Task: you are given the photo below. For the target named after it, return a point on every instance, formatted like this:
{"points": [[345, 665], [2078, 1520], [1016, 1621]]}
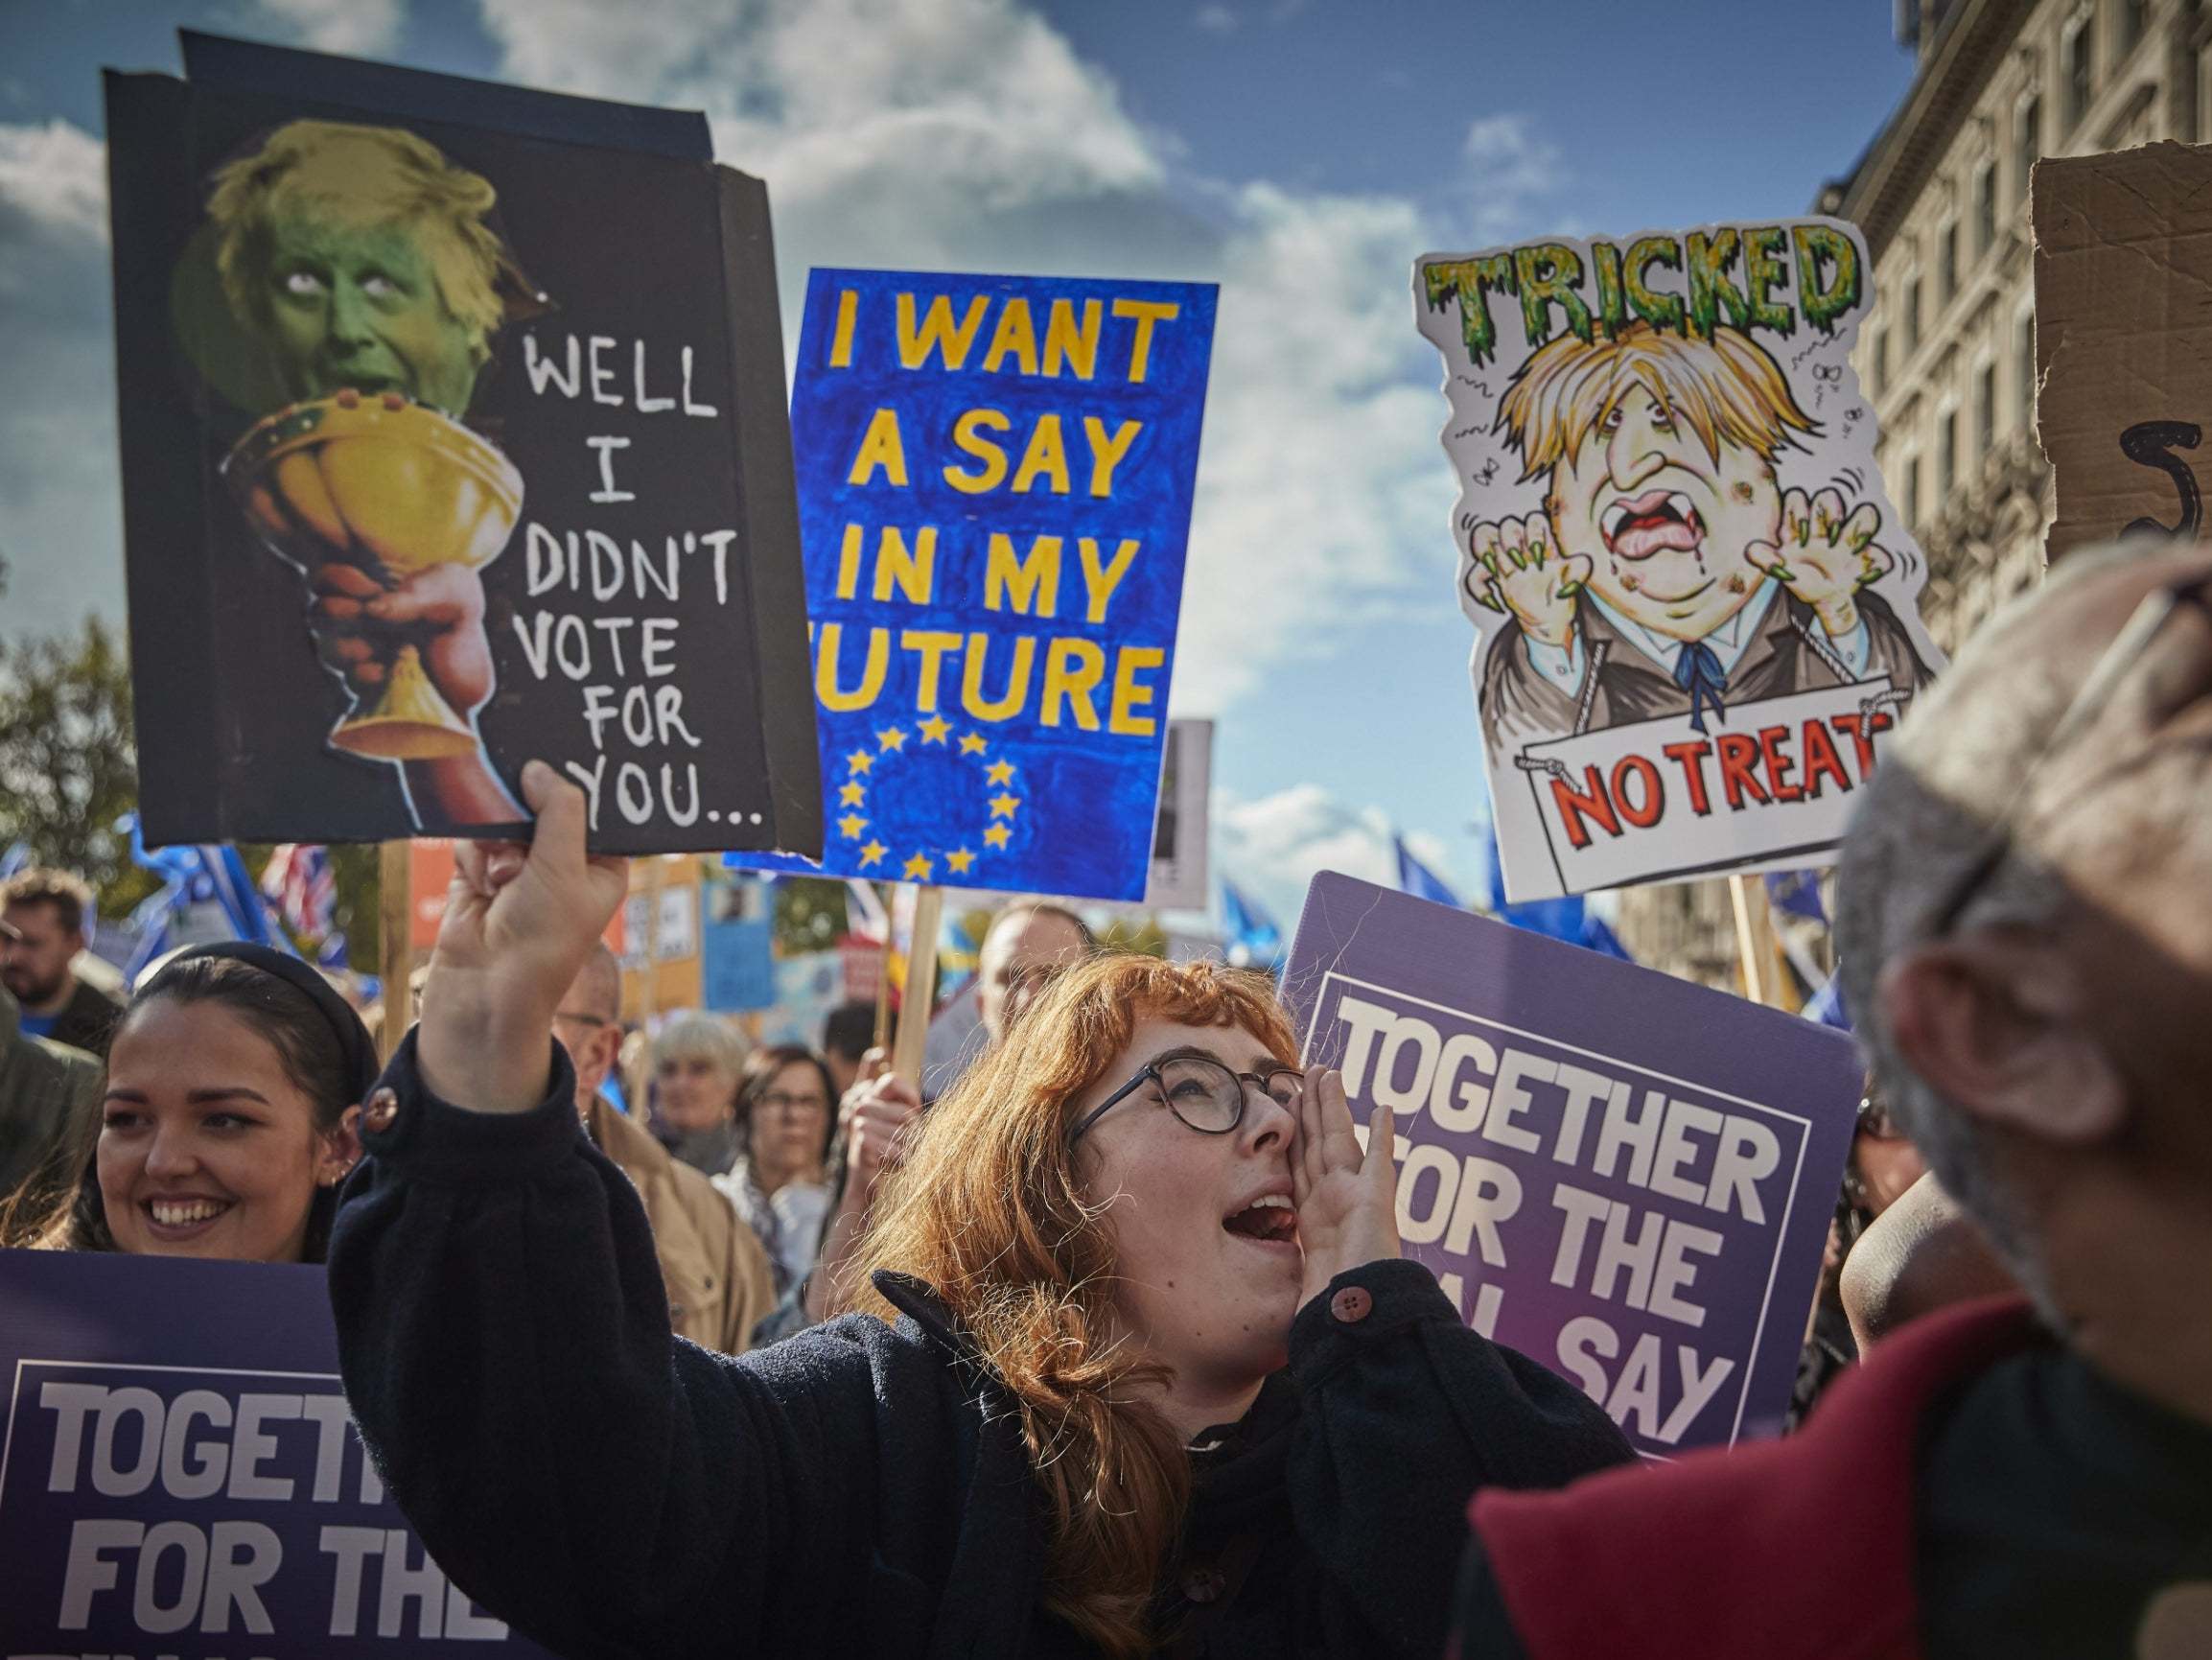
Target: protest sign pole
{"points": [[921, 989], [1747, 940], [395, 940]]}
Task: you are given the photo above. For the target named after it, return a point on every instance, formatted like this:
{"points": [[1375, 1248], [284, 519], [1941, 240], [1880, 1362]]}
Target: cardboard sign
{"points": [[421, 484], [1180, 831], [2123, 340], [1623, 1175], [180, 1474], [995, 479], [1669, 520]]}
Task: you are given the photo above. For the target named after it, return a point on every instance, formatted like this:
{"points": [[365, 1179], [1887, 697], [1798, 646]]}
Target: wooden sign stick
{"points": [[1747, 939], [919, 994], [395, 943]]}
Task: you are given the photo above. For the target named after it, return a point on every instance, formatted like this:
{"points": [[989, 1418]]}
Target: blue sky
{"points": [[1301, 152]]}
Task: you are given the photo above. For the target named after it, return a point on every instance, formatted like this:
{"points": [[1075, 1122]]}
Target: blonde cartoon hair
{"points": [[1724, 387], [361, 176]]}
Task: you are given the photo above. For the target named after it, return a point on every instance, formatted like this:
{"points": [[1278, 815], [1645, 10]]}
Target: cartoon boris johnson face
{"points": [[360, 256], [1666, 536]]}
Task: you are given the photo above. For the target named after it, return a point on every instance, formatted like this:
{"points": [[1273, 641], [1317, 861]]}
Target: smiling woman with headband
{"points": [[1138, 1369], [234, 1086]]}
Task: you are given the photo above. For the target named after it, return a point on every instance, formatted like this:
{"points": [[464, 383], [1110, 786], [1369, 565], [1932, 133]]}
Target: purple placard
{"points": [[1623, 1175], [179, 1475]]}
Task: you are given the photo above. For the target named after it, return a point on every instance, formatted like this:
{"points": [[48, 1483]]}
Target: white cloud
{"points": [[1216, 19], [968, 134], [54, 175], [1273, 845], [1319, 494], [60, 508], [357, 28], [1510, 171]]}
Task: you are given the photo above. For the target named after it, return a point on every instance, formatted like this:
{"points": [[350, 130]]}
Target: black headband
{"points": [[353, 1037]]}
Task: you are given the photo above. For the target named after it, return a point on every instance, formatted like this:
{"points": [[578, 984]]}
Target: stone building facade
{"points": [[1948, 357]]}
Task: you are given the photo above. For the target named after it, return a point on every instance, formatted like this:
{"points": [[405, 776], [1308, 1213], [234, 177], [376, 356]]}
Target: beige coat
{"points": [[719, 1282]]}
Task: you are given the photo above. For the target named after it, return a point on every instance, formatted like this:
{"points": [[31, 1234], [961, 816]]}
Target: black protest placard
{"points": [[453, 435]]}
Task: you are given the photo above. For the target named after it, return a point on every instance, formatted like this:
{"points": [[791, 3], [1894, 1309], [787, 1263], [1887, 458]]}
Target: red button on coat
{"points": [[1351, 1304]]}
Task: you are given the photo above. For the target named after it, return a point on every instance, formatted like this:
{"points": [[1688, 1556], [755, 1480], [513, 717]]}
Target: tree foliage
{"points": [[68, 770]]}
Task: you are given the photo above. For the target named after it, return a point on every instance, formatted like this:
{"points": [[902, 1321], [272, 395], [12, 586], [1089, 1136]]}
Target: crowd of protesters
{"points": [[1110, 1349]]}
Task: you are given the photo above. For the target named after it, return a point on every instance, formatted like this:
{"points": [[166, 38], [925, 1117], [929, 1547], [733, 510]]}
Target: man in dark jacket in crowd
{"points": [[2027, 922], [49, 913], [43, 1087]]}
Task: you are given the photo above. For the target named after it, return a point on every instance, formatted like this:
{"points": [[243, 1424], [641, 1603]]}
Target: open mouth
{"points": [[184, 1218], [1271, 1219], [1639, 527]]}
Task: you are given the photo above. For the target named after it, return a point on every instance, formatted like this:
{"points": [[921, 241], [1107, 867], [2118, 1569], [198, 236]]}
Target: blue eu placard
{"points": [[995, 479]]}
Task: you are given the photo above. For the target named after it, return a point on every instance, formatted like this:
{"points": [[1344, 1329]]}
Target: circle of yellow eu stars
{"points": [[920, 864]]}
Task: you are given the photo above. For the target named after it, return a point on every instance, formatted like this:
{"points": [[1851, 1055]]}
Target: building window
{"points": [[2024, 354], [2078, 58], [1912, 492], [1881, 362], [1912, 319], [1986, 410], [1946, 454], [1947, 266], [2027, 140], [1985, 209]]}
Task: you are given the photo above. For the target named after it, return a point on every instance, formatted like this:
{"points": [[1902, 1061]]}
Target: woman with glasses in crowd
{"points": [[786, 1125], [1140, 1368], [230, 1115]]}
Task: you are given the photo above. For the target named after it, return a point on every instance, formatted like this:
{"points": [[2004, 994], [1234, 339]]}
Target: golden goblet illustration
{"points": [[392, 488]]}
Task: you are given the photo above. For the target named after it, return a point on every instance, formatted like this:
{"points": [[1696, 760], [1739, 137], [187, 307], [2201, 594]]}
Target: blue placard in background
{"points": [[994, 478]]}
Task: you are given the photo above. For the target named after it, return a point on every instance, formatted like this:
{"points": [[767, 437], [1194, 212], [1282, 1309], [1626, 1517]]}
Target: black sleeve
{"points": [[607, 1488], [1405, 1413]]}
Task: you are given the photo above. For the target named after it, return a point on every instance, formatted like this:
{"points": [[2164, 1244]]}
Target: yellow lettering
{"points": [[1128, 696], [826, 688], [880, 446], [1064, 341], [968, 435], [1030, 584], [914, 572], [1016, 334], [1106, 453], [1072, 671], [938, 333], [1046, 455], [841, 344], [848, 563], [1145, 313], [1007, 707], [932, 644], [1099, 585]]}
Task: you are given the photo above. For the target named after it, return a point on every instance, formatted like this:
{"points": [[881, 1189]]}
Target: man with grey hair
{"points": [[2026, 929], [718, 1279]]}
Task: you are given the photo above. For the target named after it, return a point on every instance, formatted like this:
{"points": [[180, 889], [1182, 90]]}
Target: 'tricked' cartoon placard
{"points": [[1696, 606]]}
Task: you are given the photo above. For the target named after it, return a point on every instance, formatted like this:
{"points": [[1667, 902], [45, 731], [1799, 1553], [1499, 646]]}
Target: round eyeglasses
{"points": [[1204, 1095]]}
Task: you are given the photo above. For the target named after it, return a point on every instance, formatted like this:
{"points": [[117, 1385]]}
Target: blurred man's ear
{"points": [[607, 1049], [1994, 1019]]}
